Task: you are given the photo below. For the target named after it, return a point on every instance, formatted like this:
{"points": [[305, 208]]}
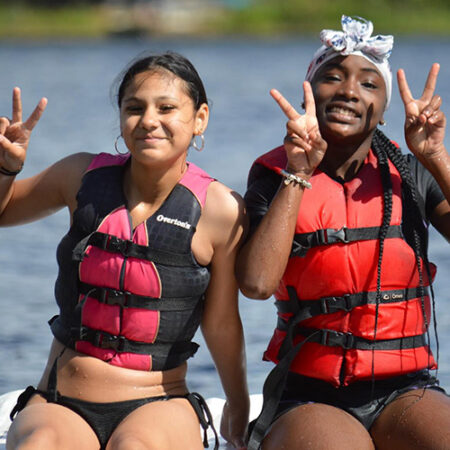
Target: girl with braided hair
{"points": [[338, 233]]}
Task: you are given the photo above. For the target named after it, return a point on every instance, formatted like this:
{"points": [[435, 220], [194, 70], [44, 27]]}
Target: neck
{"points": [[150, 185], [344, 159]]}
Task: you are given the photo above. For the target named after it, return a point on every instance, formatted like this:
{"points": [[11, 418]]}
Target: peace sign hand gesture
{"points": [[303, 143], [15, 134], [424, 122]]}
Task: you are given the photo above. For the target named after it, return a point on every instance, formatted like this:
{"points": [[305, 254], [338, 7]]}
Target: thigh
{"points": [[161, 425], [418, 419], [42, 425], [316, 426]]}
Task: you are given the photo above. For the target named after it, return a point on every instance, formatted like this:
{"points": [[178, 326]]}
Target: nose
{"points": [[349, 89], [149, 119]]}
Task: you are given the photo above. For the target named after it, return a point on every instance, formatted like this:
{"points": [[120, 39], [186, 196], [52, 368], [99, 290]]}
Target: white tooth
{"points": [[343, 111]]}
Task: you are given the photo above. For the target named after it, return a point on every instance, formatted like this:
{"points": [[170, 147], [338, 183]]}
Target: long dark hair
{"points": [[413, 226], [172, 62]]}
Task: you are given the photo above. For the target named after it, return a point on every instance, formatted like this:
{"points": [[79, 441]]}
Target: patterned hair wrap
{"points": [[355, 39]]}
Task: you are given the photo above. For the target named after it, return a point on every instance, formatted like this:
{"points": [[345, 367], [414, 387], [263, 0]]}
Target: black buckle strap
{"points": [[121, 344], [346, 302], [304, 241], [336, 339], [126, 299], [129, 249], [348, 341], [104, 340]]}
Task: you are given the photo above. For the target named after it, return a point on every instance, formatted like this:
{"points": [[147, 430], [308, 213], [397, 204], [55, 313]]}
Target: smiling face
{"points": [[158, 118], [350, 96]]}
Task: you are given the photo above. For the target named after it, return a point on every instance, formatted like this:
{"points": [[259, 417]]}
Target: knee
{"points": [[131, 441], [42, 438], [317, 426]]}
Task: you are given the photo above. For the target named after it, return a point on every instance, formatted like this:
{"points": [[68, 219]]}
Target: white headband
{"points": [[355, 39]]}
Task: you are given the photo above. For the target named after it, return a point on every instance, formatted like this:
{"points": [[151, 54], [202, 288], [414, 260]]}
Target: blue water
{"points": [[245, 121]]}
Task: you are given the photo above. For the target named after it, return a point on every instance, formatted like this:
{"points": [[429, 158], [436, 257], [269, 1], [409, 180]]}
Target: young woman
{"points": [[149, 257], [338, 235]]}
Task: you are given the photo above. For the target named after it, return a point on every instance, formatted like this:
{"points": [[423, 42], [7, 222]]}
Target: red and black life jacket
{"points": [[327, 298], [133, 298]]}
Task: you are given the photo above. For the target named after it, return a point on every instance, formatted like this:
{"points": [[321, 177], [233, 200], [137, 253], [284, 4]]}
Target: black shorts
{"points": [[364, 400]]}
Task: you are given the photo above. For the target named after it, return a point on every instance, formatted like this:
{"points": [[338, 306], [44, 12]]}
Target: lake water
{"points": [[245, 122]]}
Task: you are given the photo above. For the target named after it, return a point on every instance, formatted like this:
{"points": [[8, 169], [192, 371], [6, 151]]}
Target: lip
{"points": [[151, 138], [342, 112]]}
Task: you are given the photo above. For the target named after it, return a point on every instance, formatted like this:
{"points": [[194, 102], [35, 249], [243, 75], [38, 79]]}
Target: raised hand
{"points": [[15, 134], [304, 145], [424, 121]]}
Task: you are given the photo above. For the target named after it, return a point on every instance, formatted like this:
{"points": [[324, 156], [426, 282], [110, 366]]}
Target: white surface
{"points": [[8, 400]]}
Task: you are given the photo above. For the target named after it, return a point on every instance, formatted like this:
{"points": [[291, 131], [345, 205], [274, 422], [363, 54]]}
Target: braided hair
{"points": [[413, 226]]}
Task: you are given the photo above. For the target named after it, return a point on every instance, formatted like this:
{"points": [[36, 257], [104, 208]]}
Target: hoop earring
{"points": [[194, 142], [116, 146]]}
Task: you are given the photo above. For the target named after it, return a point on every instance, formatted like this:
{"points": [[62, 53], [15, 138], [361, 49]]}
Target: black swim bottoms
{"points": [[364, 400], [105, 417]]}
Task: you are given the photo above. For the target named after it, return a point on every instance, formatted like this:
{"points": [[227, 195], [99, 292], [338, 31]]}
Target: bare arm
{"points": [[425, 125], [14, 138], [262, 260], [38, 196], [221, 323]]}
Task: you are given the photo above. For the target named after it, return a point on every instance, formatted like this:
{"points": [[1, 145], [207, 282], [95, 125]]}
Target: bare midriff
{"points": [[91, 379]]}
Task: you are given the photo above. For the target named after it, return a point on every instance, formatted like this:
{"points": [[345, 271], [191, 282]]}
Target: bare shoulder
{"points": [[68, 172], [223, 204], [224, 213]]}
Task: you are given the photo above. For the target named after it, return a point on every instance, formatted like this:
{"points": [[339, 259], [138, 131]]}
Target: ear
{"points": [[201, 119]]}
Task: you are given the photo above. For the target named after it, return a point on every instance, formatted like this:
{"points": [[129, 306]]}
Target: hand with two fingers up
{"points": [[15, 135], [425, 122], [304, 145]]}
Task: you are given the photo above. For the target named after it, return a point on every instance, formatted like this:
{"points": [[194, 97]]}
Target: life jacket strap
{"points": [[346, 302], [130, 249], [125, 299], [304, 241], [314, 308], [121, 344], [348, 341]]}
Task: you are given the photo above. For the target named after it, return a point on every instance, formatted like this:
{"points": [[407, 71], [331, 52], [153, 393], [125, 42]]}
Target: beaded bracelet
{"points": [[296, 179], [9, 173]]}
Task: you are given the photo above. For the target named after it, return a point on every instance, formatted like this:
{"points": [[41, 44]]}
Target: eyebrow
{"points": [[339, 66], [137, 99]]}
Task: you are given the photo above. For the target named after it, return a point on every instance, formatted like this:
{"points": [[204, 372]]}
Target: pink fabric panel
{"points": [[100, 267], [117, 223], [132, 361], [128, 360], [141, 276], [140, 324], [107, 159], [105, 354], [197, 181], [101, 317], [96, 269]]}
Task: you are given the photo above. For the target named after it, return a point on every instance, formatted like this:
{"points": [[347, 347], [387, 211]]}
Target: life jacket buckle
{"points": [[331, 236], [329, 305], [115, 244], [333, 338], [109, 341], [117, 298]]}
